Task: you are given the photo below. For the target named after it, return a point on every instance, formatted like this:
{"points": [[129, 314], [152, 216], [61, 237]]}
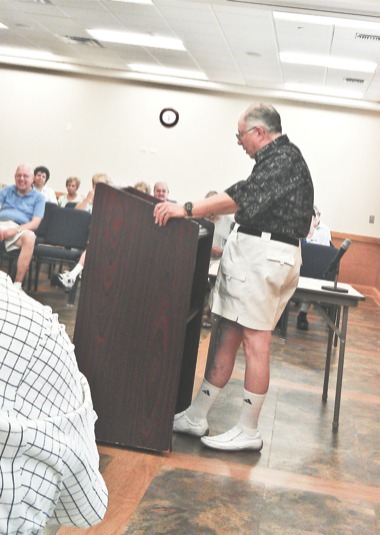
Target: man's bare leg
{"points": [[26, 244], [244, 435], [225, 341], [257, 357]]}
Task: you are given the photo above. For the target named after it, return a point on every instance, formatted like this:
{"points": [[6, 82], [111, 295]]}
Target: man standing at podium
{"points": [[258, 273]]}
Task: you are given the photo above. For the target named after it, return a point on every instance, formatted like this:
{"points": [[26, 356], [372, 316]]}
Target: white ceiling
{"points": [[235, 43]]}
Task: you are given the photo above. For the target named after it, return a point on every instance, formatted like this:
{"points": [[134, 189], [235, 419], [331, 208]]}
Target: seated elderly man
{"points": [[49, 463], [21, 211]]}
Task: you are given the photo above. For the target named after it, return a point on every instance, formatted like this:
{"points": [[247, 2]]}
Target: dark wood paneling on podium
{"points": [[137, 289]]}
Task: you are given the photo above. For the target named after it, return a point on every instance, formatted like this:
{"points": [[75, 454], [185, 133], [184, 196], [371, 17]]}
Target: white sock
{"points": [[76, 270], [250, 412], [17, 285], [203, 401]]}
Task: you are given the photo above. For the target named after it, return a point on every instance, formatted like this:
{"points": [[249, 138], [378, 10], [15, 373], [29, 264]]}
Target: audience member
{"points": [[142, 186], [88, 201], [21, 211], [72, 195], [161, 191], [49, 463], [320, 234], [68, 278], [41, 176], [222, 229]]}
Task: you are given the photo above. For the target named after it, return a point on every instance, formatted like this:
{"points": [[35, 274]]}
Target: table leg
{"points": [[339, 378], [328, 360]]}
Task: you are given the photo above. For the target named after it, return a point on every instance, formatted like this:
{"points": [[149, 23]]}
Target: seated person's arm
{"points": [[88, 200], [31, 225]]}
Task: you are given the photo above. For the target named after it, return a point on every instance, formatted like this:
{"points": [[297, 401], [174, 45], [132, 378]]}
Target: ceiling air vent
{"points": [[354, 80], [87, 41], [367, 37]]}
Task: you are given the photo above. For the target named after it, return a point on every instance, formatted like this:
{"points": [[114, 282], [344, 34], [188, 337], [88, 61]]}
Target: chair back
{"points": [[315, 260], [68, 228], [44, 225], [71, 204]]}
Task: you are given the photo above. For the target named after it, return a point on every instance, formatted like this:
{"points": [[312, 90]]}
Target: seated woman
{"points": [[72, 186], [68, 278]]}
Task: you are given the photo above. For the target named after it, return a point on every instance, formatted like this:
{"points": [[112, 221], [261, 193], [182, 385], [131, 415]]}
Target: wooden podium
{"points": [[139, 317]]}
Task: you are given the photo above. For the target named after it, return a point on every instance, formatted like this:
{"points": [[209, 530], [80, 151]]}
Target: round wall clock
{"points": [[169, 117]]}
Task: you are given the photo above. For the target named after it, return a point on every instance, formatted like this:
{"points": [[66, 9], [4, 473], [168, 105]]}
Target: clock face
{"points": [[169, 117]]}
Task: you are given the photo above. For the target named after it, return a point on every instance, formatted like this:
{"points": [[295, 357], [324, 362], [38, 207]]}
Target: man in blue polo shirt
{"points": [[21, 211]]}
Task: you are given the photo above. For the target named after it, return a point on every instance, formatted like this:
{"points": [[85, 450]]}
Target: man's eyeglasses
{"points": [[239, 136]]}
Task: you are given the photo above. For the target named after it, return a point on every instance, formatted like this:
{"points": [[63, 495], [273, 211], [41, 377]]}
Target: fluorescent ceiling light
{"points": [[3, 27], [318, 90], [147, 2], [326, 21], [167, 71], [328, 61], [137, 39], [29, 53]]}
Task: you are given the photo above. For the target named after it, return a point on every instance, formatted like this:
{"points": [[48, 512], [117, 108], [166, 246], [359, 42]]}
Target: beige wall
{"points": [[80, 126]]}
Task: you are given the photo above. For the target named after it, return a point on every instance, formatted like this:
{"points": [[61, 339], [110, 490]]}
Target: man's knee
{"points": [[256, 341], [27, 239]]}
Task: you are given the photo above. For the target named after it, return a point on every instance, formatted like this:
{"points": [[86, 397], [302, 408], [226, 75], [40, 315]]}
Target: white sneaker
{"points": [[66, 280], [234, 440], [182, 424]]}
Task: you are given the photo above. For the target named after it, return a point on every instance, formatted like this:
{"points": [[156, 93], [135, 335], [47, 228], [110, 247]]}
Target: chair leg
{"points": [[284, 322], [30, 272], [72, 293], [37, 275]]}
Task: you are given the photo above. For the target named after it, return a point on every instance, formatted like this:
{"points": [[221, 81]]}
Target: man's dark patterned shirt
{"points": [[278, 196]]}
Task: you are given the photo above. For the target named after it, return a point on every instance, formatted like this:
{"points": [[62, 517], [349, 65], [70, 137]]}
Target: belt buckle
{"points": [[266, 236]]}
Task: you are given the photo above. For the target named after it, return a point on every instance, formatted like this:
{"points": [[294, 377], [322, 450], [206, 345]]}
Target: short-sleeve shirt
{"points": [[63, 200], [49, 194], [222, 229], [321, 235], [278, 196], [21, 208]]}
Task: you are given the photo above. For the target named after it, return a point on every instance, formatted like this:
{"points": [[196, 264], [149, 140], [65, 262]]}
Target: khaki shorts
{"points": [[10, 244], [256, 279]]}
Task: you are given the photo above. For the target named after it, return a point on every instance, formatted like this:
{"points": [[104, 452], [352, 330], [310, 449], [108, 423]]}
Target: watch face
{"points": [[189, 208], [169, 117]]}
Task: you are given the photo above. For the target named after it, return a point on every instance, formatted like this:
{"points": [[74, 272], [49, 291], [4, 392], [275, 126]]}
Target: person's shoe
{"points": [[302, 322], [206, 322], [234, 440], [183, 424], [66, 280]]}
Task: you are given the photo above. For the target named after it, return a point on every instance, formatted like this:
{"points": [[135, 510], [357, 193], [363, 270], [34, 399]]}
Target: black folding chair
{"points": [[64, 241], [44, 225], [10, 258], [315, 261]]}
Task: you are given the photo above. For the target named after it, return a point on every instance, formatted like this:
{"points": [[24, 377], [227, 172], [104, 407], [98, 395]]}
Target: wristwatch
{"points": [[188, 206]]}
